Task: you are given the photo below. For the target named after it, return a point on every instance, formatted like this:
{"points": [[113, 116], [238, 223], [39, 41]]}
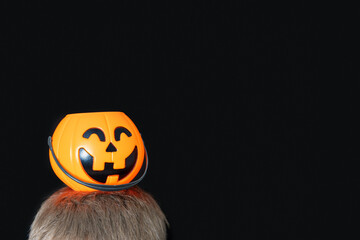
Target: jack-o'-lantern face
{"points": [[97, 151]]}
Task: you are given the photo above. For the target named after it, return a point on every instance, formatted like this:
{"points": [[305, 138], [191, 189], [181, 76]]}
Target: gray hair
{"points": [[71, 215]]}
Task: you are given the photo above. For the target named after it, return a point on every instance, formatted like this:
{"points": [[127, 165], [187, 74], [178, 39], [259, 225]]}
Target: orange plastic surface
{"points": [[68, 139]]}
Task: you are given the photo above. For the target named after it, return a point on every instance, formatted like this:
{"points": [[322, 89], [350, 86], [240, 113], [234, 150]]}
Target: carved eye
{"points": [[96, 131], [119, 131]]}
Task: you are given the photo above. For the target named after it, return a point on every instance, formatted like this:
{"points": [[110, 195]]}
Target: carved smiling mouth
{"points": [[87, 161]]}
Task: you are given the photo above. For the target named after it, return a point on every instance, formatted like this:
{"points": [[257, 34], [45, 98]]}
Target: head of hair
{"points": [[126, 214]]}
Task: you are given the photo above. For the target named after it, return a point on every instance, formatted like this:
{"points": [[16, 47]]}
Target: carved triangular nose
{"points": [[111, 148]]}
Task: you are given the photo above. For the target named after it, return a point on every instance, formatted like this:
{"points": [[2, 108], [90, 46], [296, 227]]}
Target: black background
{"points": [[248, 109]]}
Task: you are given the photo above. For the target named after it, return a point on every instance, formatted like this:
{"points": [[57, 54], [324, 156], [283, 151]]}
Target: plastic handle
{"points": [[99, 187]]}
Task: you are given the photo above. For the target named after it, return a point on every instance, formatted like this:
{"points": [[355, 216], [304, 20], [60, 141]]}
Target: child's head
{"points": [[72, 215]]}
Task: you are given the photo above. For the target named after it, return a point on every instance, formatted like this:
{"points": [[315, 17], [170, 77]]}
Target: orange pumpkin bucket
{"points": [[98, 151]]}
